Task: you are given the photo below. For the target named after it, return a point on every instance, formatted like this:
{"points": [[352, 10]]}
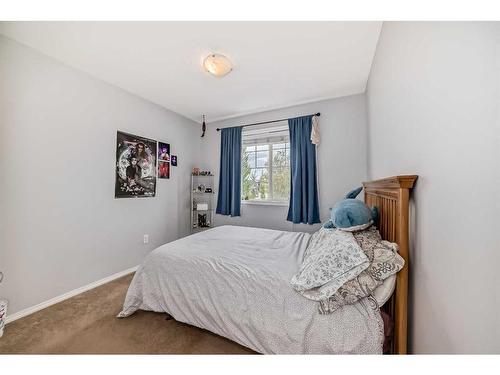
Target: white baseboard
{"points": [[62, 297]]}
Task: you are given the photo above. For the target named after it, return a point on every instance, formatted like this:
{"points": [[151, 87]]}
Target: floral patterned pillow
{"points": [[384, 262], [332, 258]]}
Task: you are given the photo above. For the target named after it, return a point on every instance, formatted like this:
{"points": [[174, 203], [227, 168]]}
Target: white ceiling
{"points": [[276, 64]]}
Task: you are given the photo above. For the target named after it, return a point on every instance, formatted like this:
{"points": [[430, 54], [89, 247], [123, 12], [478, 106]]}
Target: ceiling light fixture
{"points": [[217, 65]]}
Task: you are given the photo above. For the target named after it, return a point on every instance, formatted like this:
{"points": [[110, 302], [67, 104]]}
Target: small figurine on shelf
{"points": [[196, 171]]}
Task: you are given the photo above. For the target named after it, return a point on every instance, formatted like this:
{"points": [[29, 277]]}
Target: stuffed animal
{"points": [[351, 214]]}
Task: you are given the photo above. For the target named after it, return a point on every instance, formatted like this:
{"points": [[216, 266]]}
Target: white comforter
{"points": [[235, 282]]}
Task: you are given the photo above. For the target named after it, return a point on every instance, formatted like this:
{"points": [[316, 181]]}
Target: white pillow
{"points": [[384, 291]]}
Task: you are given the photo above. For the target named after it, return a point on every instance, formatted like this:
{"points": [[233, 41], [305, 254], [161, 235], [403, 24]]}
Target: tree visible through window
{"points": [[265, 170]]}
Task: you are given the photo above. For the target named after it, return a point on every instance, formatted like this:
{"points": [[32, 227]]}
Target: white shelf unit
{"points": [[202, 219]]}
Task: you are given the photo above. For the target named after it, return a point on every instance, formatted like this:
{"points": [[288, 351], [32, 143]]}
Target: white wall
{"points": [[433, 110], [341, 158], [60, 226]]}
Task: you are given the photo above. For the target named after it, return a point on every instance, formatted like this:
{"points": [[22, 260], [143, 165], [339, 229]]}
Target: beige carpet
{"points": [[87, 324]]}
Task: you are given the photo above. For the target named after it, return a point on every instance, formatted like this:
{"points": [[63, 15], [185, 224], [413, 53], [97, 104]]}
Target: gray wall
{"points": [[60, 226], [433, 110], [341, 158]]}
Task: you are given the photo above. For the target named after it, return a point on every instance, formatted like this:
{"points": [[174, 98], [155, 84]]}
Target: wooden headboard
{"points": [[391, 197]]}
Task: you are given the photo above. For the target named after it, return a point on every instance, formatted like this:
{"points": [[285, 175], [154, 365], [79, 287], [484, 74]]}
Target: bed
{"points": [[235, 282]]}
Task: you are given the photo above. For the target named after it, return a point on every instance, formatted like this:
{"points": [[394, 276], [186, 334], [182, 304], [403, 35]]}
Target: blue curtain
{"points": [[229, 198], [303, 206]]}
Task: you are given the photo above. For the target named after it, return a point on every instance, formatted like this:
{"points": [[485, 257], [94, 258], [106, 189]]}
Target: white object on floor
{"points": [[235, 282], [3, 314]]}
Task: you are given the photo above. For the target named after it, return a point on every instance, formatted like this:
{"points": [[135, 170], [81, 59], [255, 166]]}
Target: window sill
{"points": [[264, 203]]}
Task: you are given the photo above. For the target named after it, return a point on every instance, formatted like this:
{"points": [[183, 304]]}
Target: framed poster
{"points": [[163, 160], [135, 174], [163, 151], [173, 159], [163, 169]]}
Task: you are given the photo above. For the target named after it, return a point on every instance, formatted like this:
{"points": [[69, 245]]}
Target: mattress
{"points": [[235, 281]]}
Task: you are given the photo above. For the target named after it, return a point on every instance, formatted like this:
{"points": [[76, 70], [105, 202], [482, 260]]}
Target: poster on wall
{"points": [[163, 151], [163, 169], [135, 166], [163, 160]]}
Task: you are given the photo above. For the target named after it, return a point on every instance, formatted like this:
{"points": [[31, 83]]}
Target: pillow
{"points": [[384, 291], [331, 259], [351, 214], [384, 262]]}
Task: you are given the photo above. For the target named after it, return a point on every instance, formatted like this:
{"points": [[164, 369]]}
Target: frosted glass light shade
{"points": [[217, 65]]}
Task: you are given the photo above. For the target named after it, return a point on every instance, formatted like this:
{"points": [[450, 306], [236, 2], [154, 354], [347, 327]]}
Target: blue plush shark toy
{"points": [[351, 214]]}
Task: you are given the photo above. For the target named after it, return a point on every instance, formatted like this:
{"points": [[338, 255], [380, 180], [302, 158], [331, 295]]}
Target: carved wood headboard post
{"points": [[391, 196]]}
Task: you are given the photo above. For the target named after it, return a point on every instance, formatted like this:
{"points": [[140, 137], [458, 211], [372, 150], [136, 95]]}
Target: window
{"points": [[265, 165]]}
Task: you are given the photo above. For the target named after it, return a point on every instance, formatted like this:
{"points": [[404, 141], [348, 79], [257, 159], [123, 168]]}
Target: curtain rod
{"points": [[269, 122]]}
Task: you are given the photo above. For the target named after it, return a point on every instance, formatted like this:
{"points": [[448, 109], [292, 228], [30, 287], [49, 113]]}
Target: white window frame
{"points": [[270, 201]]}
